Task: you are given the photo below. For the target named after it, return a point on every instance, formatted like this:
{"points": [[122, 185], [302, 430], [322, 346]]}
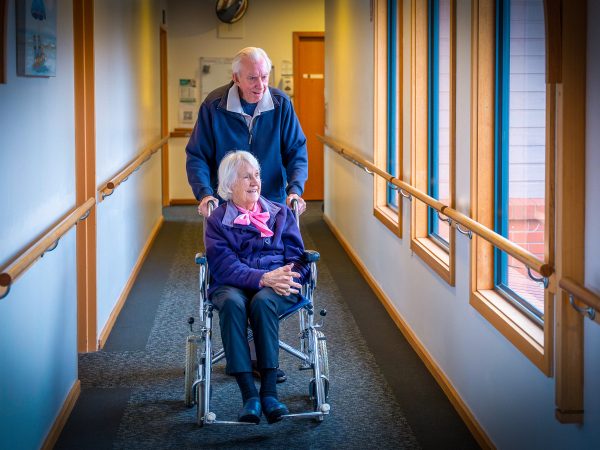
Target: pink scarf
{"points": [[256, 217]]}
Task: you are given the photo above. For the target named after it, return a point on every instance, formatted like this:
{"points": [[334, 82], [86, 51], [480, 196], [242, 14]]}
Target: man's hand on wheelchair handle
{"points": [[203, 206], [281, 280], [301, 202]]}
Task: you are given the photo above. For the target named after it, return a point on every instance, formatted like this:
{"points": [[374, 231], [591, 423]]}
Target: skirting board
{"points": [[125, 293], [438, 374], [62, 417], [183, 201]]}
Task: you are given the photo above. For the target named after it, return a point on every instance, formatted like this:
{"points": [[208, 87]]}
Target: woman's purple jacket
{"points": [[238, 256]]}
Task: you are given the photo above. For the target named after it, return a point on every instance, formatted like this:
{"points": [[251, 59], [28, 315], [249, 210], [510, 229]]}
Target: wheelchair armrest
{"points": [[311, 256], [200, 259]]}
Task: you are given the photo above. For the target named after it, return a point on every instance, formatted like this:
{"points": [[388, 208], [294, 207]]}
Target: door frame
{"points": [[85, 172], [164, 114]]}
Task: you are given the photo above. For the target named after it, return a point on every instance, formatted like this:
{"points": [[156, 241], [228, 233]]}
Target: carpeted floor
{"points": [[132, 394]]}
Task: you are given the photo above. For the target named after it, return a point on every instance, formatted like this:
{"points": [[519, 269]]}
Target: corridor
{"points": [[132, 391]]}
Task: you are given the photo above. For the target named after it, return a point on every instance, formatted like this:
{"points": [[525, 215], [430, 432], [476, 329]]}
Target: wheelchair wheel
{"points": [[191, 368], [200, 410], [323, 363]]}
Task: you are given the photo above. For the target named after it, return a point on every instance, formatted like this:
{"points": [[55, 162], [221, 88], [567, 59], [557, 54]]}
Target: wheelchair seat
{"points": [[302, 303]]}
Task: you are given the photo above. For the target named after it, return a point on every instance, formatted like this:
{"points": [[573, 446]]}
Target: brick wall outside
{"points": [[526, 228]]}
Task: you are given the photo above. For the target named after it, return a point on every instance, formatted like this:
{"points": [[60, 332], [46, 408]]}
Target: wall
{"points": [[127, 120], [509, 397], [193, 34], [38, 319], [38, 358], [592, 238]]}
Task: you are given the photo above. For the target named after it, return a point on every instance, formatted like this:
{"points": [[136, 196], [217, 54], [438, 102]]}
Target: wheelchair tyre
{"points": [[191, 368], [322, 356], [323, 362], [200, 411]]}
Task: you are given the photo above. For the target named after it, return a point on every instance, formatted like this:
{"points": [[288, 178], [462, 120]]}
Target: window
{"points": [[512, 170], [439, 117], [392, 99], [520, 132], [432, 130], [388, 111]]}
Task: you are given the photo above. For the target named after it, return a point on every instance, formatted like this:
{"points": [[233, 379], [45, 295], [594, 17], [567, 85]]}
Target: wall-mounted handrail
{"points": [[46, 243], [500, 242], [108, 188], [361, 162], [492, 237], [577, 291], [181, 132]]}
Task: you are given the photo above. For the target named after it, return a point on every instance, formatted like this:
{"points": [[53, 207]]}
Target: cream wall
{"points": [[592, 237], [38, 318], [193, 34], [127, 73], [510, 398]]}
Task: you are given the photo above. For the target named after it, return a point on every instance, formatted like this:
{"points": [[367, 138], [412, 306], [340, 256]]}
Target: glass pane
{"points": [[392, 89], [443, 113], [519, 282], [440, 112], [526, 142]]}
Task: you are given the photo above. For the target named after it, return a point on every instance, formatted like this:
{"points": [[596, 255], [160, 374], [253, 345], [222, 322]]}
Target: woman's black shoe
{"points": [[251, 411], [273, 409]]}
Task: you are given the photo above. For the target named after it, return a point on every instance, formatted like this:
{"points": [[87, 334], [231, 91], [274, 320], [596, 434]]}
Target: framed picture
{"points": [[36, 37], [3, 26]]}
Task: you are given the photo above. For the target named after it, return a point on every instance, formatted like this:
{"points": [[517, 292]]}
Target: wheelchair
{"points": [[312, 350]]}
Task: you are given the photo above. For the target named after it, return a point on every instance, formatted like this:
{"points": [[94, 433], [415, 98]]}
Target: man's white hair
{"points": [[228, 170], [254, 54]]}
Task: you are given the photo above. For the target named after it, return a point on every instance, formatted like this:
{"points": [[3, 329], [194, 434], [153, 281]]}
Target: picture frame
{"points": [[3, 39], [36, 37]]}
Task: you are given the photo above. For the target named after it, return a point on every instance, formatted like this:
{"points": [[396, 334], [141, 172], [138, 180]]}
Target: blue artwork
{"points": [[36, 38]]}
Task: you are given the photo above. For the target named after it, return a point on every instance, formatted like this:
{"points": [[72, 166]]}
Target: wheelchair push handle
{"points": [[210, 206], [295, 209]]}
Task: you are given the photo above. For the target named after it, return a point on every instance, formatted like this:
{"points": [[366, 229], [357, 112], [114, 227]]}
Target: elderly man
{"points": [[247, 114]]}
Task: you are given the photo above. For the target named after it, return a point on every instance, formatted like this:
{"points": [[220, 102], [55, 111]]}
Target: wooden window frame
{"points": [[521, 330], [441, 260], [566, 27], [390, 217]]}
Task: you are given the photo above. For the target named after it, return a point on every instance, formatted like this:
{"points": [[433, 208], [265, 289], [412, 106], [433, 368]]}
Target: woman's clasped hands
{"points": [[281, 280]]}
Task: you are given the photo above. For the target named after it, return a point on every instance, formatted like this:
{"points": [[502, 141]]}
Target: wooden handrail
{"points": [[108, 188], [339, 148], [583, 294], [181, 132], [48, 242], [492, 237], [500, 242]]}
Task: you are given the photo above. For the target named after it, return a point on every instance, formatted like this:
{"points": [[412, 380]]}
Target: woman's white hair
{"points": [[254, 54], [228, 170]]}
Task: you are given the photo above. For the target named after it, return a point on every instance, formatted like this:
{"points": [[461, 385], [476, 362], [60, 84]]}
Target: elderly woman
{"points": [[255, 253]]}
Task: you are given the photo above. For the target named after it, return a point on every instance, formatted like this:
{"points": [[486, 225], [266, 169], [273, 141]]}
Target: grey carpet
{"points": [[364, 411]]}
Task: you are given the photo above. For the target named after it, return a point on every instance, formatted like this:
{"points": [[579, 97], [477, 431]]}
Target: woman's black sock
{"points": [[268, 383], [245, 381]]}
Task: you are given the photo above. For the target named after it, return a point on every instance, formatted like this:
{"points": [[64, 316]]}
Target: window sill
{"points": [[520, 330], [390, 218], [436, 257]]}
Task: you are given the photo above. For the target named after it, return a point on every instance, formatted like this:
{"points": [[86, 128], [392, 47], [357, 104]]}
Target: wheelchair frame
{"points": [[312, 351]]}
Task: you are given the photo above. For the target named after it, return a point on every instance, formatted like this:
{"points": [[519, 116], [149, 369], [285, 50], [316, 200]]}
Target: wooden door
{"points": [[309, 102]]}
